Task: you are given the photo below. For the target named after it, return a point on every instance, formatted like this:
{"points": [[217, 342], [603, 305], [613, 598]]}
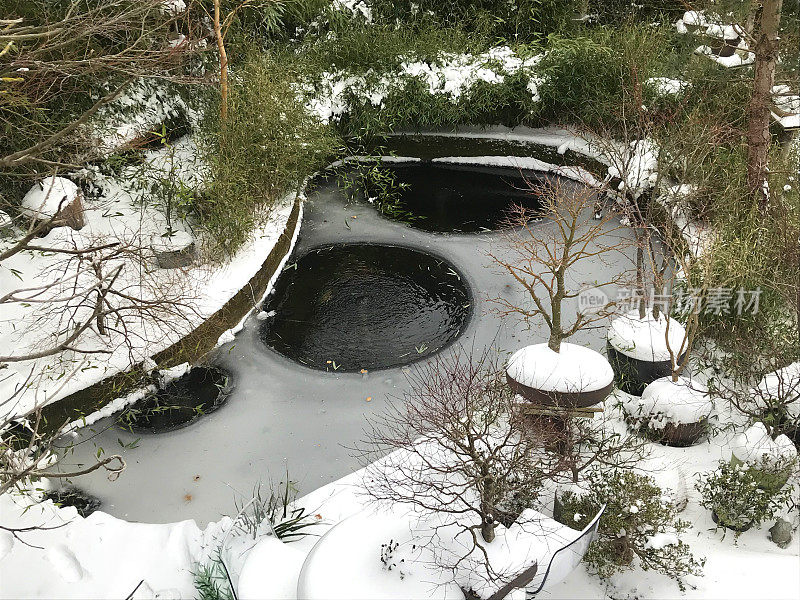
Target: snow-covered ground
{"points": [[103, 556], [117, 211]]}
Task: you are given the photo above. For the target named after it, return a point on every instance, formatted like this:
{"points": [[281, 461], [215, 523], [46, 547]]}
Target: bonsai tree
{"points": [[544, 256], [451, 449], [638, 526], [545, 253]]}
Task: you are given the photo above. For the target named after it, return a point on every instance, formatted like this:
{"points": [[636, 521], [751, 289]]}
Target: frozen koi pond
{"points": [[356, 307], [347, 294]]}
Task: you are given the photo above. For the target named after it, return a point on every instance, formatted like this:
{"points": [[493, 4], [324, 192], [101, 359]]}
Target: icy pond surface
{"points": [[458, 198], [354, 307], [284, 416]]}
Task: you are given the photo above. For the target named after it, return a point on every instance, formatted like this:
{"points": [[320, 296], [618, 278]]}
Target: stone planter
{"points": [[724, 48], [560, 399], [639, 350], [680, 435], [576, 377], [633, 375], [671, 413], [175, 251], [55, 197]]}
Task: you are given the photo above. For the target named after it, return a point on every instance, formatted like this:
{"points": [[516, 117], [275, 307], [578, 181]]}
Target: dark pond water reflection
{"points": [[365, 306], [445, 198]]}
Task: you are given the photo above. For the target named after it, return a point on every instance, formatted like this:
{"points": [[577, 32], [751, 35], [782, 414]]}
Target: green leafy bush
{"points": [[638, 523], [517, 20], [734, 494], [265, 149], [581, 76]]}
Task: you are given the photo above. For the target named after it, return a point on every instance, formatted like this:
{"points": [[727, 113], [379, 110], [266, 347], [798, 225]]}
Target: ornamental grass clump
{"points": [[639, 526]]}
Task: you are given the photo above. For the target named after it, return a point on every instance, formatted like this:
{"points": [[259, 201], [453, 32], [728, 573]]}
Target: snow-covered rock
{"points": [[46, 198], [756, 448], [665, 401], [723, 32], [574, 369], [694, 17], [737, 59], [788, 105], [666, 86], [646, 339], [270, 570]]}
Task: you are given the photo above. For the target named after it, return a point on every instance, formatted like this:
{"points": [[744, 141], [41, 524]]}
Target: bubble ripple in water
{"points": [[362, 306]]}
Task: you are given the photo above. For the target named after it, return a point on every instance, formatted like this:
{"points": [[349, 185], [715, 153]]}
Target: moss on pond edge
{"points": [[191, 348]]}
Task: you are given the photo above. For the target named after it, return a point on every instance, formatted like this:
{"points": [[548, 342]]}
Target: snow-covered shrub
{"points": [[733, 493], [639, 526], [668, 408], [438, 90], [770, 461]]}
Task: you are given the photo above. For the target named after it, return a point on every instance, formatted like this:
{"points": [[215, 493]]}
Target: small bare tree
{"points": [[455, 451], [543, 255], [97, 290]]}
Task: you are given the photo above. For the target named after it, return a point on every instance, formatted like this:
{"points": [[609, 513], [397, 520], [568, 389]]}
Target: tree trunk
{"points": [[556, 332], [640, 281], [758, 137], [223, 63], [487, 509]]}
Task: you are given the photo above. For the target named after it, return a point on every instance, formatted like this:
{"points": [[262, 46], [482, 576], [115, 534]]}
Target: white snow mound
{"points": [[270, 571], [646, 339], [573, 369], [665, 401], [43, 199], [755, 447], [65, 563]]}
